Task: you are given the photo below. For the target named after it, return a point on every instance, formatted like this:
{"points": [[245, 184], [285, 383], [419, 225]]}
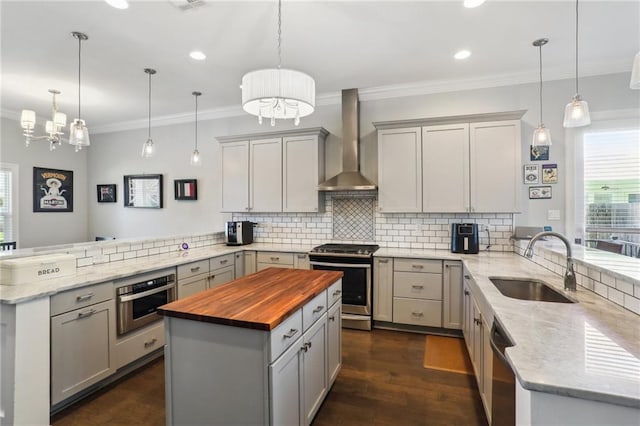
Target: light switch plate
{"points": [[553, 214]]}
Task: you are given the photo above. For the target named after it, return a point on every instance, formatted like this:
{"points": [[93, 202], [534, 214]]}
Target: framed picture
{"points": [[539, 153], [539, 192], [106, 193], [143, 191], [549, 173], [185, 189], [52, 190], [531, 174]]}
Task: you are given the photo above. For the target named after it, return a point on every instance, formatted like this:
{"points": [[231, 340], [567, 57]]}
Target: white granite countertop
{"points": [[116, 270]]}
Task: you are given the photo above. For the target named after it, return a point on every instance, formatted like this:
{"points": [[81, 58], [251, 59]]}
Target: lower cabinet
{"points": [[301, 261], [139, 343], [285, 387], [273, 259], [382, 289], [239, 264], [334, 341], [452, 295], [249, 262], [221, 276], [314, 368], [81, 340], [417, 292]]}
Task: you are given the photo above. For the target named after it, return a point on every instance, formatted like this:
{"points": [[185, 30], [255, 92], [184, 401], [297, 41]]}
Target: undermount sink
{"points": [[529, 289]]}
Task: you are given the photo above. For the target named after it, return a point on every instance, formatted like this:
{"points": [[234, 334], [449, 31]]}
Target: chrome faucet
{"points": [[570, 275]]}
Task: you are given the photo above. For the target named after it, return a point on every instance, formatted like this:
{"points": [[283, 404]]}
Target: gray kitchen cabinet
{"points": [[192, 278], [334, 341], [87, 332], [249, 262], [314, 368], [383, 289], [222, 269], [239, 264], [272, 172], [452, 295], [301, 261], [273, 259], [133, 346], [417, 292], [285, 387]]}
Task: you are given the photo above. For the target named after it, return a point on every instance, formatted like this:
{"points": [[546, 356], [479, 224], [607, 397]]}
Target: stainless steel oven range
{"points": [[356, 262], [139, 297]]}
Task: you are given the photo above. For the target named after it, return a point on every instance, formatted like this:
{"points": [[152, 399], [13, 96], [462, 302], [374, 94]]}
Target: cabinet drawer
{"points": [[138, 344], [193, 269], [334, 292], [417, 312], [417, 265], [260, 266], [285, 334], [221, 276], [314, 310], [221, 261], [275, 257], [193, 285], [418, 285], [81, 297]]}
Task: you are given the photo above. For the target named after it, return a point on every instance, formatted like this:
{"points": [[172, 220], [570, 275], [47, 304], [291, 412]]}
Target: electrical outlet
{"points": [[553, 214]]}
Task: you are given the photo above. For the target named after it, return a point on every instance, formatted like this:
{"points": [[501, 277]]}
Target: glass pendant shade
{"points": [[28, 119], [79, 134], [635, 73], [196, 159], [576, 113], [541, 136], [148, 149]]}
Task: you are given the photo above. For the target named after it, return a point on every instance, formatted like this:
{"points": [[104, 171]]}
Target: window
{"points": [[8, 202], [612, 189]]}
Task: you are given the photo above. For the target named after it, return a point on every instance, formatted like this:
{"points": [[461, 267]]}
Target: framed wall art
{"points": [[144, 191], [539, 153], [52, 190], [531, 174], [186, 189], [539, 192], [106, 193], [549, 173]]}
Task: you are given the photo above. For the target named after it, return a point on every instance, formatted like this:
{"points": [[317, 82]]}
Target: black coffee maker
{"points": [[464, 238]]}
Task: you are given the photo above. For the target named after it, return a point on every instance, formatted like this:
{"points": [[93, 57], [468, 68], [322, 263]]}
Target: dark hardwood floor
{"points": [[382, 382]]}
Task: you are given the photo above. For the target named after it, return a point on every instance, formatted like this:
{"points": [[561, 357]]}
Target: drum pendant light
{"points": [[576, 113], [541, 136]]}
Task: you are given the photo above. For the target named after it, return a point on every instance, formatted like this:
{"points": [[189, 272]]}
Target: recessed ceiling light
{"points": [[462, 54], [472, 3], [118, 4], [198, 55]]}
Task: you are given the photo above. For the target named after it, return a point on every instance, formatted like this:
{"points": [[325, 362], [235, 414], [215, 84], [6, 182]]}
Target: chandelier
{"points": [[278, 93], [53, 128]]}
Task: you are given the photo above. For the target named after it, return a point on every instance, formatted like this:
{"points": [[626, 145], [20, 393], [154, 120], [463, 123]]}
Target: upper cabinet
{"points": [[272, 172], [464, 164]]}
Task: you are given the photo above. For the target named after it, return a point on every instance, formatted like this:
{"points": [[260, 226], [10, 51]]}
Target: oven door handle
{"points": [[128, 298], [342, 265]]}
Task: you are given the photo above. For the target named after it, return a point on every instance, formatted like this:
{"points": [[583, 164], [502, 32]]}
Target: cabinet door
{"points": [[301, 261], [445, 168], [265, 175], [221, 276], [467, 315], [399, 170], [383, 289], [495, 166], [452, 302], [334, 341], [476, 344], [239, 264], [286, 387], [192, 285], [80, 349], [234, 166], [314, 368], [249, 262], [301, 173]]}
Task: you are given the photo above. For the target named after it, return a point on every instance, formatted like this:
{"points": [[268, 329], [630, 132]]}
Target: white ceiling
{"points": [[372, 45]]}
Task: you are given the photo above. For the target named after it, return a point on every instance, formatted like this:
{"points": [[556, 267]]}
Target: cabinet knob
{"points": [[332, 318], [466, 292], [466, 277]]}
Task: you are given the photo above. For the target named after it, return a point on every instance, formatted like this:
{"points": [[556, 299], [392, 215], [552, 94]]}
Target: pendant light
{"points": [[78, 132], [278, 93], [196, 159], [148, 149], [541, 136], [635, 73], [576, 113]]}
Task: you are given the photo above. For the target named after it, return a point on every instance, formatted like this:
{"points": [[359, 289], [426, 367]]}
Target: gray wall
{"points": [[116, 154]]}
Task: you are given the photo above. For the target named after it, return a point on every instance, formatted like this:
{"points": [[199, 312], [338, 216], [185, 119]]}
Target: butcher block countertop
{"points": [[259, 301]]}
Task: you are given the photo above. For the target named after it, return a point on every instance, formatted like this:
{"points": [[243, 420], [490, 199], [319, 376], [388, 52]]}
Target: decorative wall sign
{"points": [[549, 173], [539, 192], [143, 191], [106, 193], [539, 153], [531, 174], [52, 190], [186, 189]]}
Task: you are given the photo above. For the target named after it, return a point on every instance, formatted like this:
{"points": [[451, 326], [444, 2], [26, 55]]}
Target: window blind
{"points": [[6, 205]]}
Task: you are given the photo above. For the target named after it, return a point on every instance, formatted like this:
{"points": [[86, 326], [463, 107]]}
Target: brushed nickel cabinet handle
{"points": [[467, 277], [383, 260], [222, 262], [150, 342], [417, 266], [196, 269], [302, 256], [417, 314], [274, 259], [417, 287], [86, 314], [337, 293], [318, 309], [290, 334], [84, 297]]}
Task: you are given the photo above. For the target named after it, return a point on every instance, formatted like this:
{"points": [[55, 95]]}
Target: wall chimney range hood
{"points": [[350, 178]]}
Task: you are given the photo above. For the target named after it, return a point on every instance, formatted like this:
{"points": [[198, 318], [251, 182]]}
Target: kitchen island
{"points": [[263, 349]]}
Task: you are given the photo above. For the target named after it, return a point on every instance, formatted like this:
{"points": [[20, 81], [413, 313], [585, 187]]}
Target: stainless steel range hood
{"points": [[350, 178]]}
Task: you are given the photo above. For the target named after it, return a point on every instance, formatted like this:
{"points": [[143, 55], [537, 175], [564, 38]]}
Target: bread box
{"points": [[36, 268]]}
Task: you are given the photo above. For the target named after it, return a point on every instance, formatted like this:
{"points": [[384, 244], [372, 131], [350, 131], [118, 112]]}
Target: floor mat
{"points": [[446, 354]]}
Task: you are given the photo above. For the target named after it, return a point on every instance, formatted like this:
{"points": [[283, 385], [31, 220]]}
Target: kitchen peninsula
{"points": [[263, 349]]}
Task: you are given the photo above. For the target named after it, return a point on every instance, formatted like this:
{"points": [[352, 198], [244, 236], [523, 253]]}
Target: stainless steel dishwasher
{"points": [[503, 389]]}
